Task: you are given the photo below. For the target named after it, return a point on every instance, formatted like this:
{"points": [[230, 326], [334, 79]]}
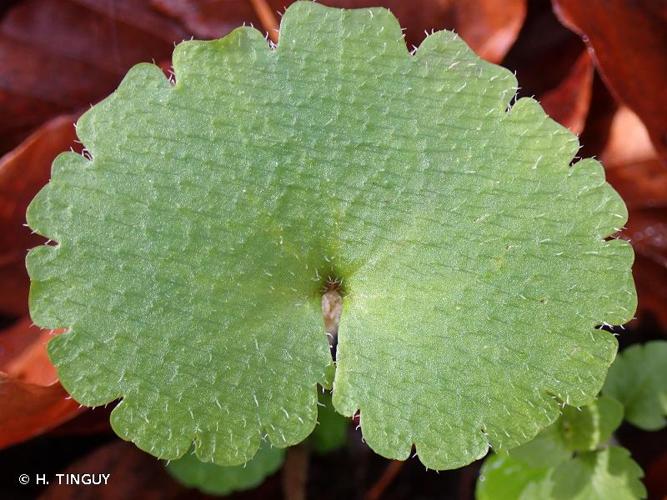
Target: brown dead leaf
{"points": [[23, 172], [23, 353], [628, 39], [634, 169], [29, 410], [33, 402], [656, 477], [569, 102], [544, 52], [91, 421], [213, 18], [601, 113], [650, 268], [62, 55], [488, 26], [551, 65]]}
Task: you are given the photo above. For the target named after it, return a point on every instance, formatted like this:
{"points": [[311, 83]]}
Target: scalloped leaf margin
{"points": [[474, 257]]}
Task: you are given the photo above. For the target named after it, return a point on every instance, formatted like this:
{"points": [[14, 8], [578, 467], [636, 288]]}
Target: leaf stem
{"points": [[295, 472], [385, 480], [267, 18]]}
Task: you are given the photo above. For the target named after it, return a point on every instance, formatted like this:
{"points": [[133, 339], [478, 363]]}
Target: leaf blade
{"points": [[202, 230]]}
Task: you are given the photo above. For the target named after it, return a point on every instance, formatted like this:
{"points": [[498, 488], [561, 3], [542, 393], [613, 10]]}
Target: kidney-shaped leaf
{"points": [[195, 245]]}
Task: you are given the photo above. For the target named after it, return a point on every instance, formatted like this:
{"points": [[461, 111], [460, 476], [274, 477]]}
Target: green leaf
{"points": [[220, 480], [195, 243], [548, 449], [505, 477], [585, 428], [638, 379], [577, 429], [608, 474], [330, 433]]}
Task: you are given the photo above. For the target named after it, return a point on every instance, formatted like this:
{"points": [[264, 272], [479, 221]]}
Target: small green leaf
{"points": [[330, 432], [195, 239], [548, 449], [505, 477], [577, 429], [585, 428], [221, 480], [608, 474], [638, 379]]}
